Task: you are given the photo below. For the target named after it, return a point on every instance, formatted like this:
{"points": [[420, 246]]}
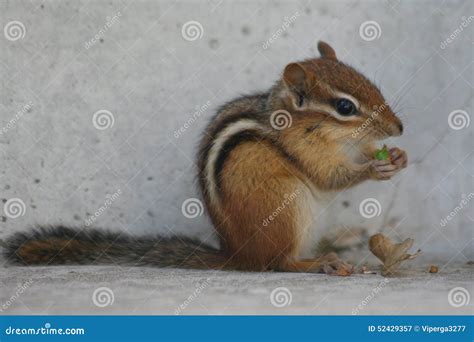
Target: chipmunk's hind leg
{"points": [[260, 207]]}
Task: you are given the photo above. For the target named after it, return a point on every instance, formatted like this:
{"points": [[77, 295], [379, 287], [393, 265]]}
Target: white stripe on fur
{"points": [[219, 142]]}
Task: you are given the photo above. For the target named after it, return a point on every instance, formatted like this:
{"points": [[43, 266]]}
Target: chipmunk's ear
{"points": [[298, 80], [326, 51], [296, 77]]}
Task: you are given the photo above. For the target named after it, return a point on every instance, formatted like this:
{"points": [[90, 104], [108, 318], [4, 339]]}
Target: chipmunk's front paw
{"points": [[399, 157], [383, 169], [333, 265], [388, 162]]}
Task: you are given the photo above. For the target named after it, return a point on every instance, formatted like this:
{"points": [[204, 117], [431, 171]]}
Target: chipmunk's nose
{"points": [[396, 127], [400, 128]]}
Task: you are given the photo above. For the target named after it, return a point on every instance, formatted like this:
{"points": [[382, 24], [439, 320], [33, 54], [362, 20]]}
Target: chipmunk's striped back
{"points": [[237, 121]]}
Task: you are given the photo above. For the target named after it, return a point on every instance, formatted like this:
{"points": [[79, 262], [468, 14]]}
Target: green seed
{"points": [[382, 154]]}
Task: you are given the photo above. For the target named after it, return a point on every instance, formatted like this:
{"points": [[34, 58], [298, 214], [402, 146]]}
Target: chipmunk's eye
{"points": [[300, 100], [345, 107]]}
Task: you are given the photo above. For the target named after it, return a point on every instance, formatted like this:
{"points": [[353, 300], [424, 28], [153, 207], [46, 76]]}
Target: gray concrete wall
{"points": [[66, 60]]}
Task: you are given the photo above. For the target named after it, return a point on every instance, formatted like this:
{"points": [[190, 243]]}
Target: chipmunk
{"points": [[261, 181]]}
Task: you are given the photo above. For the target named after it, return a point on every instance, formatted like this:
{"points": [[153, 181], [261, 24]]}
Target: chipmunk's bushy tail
{"points": [[61, 245]]}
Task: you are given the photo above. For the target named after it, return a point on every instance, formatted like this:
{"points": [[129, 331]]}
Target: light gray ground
{"points": [[70, 290]]}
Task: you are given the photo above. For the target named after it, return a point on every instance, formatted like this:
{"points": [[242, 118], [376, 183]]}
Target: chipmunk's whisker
{"points": [[401, 96]]}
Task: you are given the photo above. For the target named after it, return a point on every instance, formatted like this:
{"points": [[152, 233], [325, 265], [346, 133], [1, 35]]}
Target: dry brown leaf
{"points": [[389, 253]]}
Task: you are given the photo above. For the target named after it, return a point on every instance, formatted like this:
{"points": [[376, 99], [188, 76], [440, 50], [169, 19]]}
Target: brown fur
{"points": [[251, 194]]}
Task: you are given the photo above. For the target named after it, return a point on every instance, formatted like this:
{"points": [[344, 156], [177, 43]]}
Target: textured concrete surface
{"points": [[75, 58], [66, 290]]}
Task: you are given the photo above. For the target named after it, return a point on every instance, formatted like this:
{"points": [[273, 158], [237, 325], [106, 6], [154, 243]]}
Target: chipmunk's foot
{"points": [[333, 265]]}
